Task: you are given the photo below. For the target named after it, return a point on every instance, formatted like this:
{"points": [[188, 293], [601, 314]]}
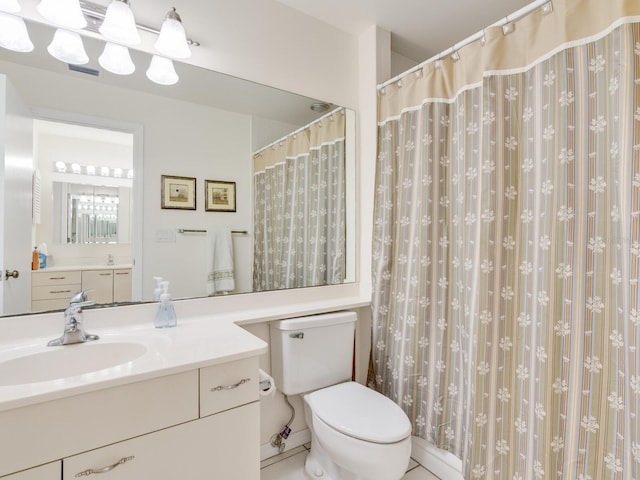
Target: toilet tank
{"points": [[309, 353]]}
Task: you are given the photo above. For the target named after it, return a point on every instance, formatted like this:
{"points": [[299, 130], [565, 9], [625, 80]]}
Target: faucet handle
{"points": [[81, 297]]}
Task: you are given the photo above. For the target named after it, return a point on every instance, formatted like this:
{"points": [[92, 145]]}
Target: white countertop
{"points": [[67, 268], [194, 343]]}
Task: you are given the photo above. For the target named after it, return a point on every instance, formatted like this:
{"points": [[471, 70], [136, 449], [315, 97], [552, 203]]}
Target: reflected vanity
{"points": [[206, 127]]}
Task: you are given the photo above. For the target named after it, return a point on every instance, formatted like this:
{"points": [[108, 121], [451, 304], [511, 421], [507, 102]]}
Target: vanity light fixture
{"points": [[161, 71], [116, 59], [172, 41], [61, 166], [119, 25], [13, 34], [67, 47], [63, 13]]}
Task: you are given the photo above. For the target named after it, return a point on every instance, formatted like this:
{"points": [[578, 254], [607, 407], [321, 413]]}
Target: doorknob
{"points": [[8, 274]]}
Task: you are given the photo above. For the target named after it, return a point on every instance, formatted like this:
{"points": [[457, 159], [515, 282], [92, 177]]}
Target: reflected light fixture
{"points": [[119, 25], [68, 48], [64, 13], [172, 41], [161, 71], [13, 34], [116, 59]]}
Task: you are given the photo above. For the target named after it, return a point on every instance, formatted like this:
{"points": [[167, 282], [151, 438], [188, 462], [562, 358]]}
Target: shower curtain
{"points": [[299, 215], [506, 247]]}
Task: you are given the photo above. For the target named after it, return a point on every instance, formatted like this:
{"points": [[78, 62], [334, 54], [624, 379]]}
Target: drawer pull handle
{"points": [[91, 471], [57, 278], [220, 388], [122, 273], [60, 291], [105, 274]]}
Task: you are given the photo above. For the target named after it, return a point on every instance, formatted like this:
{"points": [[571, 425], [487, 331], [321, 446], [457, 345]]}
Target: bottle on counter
{"points": [[166, 316], [35, 259]]}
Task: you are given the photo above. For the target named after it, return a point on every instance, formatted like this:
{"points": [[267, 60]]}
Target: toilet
{"points": [[356, 433]]}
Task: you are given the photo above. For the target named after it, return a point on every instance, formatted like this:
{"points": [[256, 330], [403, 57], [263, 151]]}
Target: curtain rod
{"points": [[546, 5], [301, 129]]}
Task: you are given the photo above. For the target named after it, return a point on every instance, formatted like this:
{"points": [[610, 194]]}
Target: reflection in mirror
{"points": [[206, 127], [88, 214]]}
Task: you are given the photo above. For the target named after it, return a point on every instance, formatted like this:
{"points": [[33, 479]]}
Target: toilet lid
{"points": [[363, 413]]}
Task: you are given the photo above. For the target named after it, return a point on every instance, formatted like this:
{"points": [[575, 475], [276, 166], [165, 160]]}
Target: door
{"points": [[16, 173]]}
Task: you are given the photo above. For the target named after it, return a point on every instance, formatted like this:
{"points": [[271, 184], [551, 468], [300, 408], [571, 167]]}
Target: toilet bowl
{"points": [[356, 434]]}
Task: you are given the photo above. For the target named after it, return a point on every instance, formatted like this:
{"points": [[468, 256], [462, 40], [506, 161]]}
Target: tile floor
{"points": [[290, 465]]}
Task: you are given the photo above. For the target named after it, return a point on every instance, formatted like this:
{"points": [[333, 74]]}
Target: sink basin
{"points": [[67, 361]]}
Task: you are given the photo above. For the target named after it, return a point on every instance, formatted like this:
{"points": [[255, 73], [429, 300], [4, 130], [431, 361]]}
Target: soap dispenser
{"points": [[166, 316], [158, 290]]}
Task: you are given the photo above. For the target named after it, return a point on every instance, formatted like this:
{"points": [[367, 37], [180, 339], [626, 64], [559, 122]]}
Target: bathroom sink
{"points": [[67, 361]]}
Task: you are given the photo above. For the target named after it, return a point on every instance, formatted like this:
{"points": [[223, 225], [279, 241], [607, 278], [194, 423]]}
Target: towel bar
{"points": [[189, 230]]}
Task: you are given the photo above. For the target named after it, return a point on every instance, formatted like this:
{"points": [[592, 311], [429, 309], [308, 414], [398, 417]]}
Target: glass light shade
{"points": [[68, 48], [13, 34], [11, 6], [161, 71], [172, 41], [65, 13], [119, 24], [116, 59]]}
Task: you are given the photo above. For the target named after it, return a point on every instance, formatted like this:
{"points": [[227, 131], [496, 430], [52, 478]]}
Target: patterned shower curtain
{"points": [[506, 306], [299, 215]]}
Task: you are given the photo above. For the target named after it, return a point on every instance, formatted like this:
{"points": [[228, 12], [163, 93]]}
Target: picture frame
{"points": [[178, 192], [220, 196]]}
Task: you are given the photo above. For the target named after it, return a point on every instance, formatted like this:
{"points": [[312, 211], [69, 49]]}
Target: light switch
{"points": [[165, 235]]}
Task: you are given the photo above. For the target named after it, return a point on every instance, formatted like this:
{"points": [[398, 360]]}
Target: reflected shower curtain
{"points": [[506, 306], [299, 217]]}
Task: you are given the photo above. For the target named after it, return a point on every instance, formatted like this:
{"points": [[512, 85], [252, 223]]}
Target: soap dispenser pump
{"points": [[166, 316], [158, 290]]}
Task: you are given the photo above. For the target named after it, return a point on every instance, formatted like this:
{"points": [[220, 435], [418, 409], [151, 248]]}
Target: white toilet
{"points": [[356, 433]]}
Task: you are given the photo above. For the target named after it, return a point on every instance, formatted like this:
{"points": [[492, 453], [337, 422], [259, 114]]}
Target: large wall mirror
{"points": [[102, 148]]}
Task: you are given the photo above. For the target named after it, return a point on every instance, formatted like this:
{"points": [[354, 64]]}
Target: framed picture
{"points": [[178, 192], [219, 196]]}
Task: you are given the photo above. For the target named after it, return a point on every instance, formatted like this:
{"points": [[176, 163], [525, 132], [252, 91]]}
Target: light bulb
{"points": [[116, 59], [13, 34], [65, 13], [172, 41], [119, 24], [161, 71], [68, 48]]}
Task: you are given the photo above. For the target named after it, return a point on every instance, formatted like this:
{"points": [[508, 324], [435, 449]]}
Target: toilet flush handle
{"points": [[299, 335]]}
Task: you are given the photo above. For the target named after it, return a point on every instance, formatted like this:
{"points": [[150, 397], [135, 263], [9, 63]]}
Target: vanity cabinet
{"points": [[219, 446], [197, 424], [51, 290], [122, 286], [50, 471]]}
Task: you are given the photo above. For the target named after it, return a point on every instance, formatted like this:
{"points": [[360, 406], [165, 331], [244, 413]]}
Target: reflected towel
{"points": [[220, 262]]}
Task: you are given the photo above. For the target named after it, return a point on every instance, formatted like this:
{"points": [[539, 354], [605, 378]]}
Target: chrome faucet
{"points": [[73, 329]]}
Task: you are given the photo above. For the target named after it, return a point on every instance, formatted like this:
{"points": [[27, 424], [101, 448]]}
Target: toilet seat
{"points": [[363, 413]]}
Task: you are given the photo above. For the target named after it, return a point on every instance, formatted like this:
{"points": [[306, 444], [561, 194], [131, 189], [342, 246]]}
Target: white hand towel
{"points": [[220, 262]]}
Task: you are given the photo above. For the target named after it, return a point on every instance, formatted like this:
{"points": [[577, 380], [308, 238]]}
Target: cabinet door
{"points": [[102, 283], [122, 285], [223, 446], [50, 471]]}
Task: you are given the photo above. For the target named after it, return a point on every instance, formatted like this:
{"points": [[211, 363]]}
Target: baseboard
{"points": [[442, 464], [296, 439]]}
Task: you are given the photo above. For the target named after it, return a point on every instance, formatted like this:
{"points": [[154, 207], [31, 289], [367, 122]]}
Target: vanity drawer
{"points": [[228, 385], [56, 278], [54, 292]]}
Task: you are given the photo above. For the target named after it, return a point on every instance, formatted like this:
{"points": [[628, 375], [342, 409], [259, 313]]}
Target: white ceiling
{"points": [[419, 28]]}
